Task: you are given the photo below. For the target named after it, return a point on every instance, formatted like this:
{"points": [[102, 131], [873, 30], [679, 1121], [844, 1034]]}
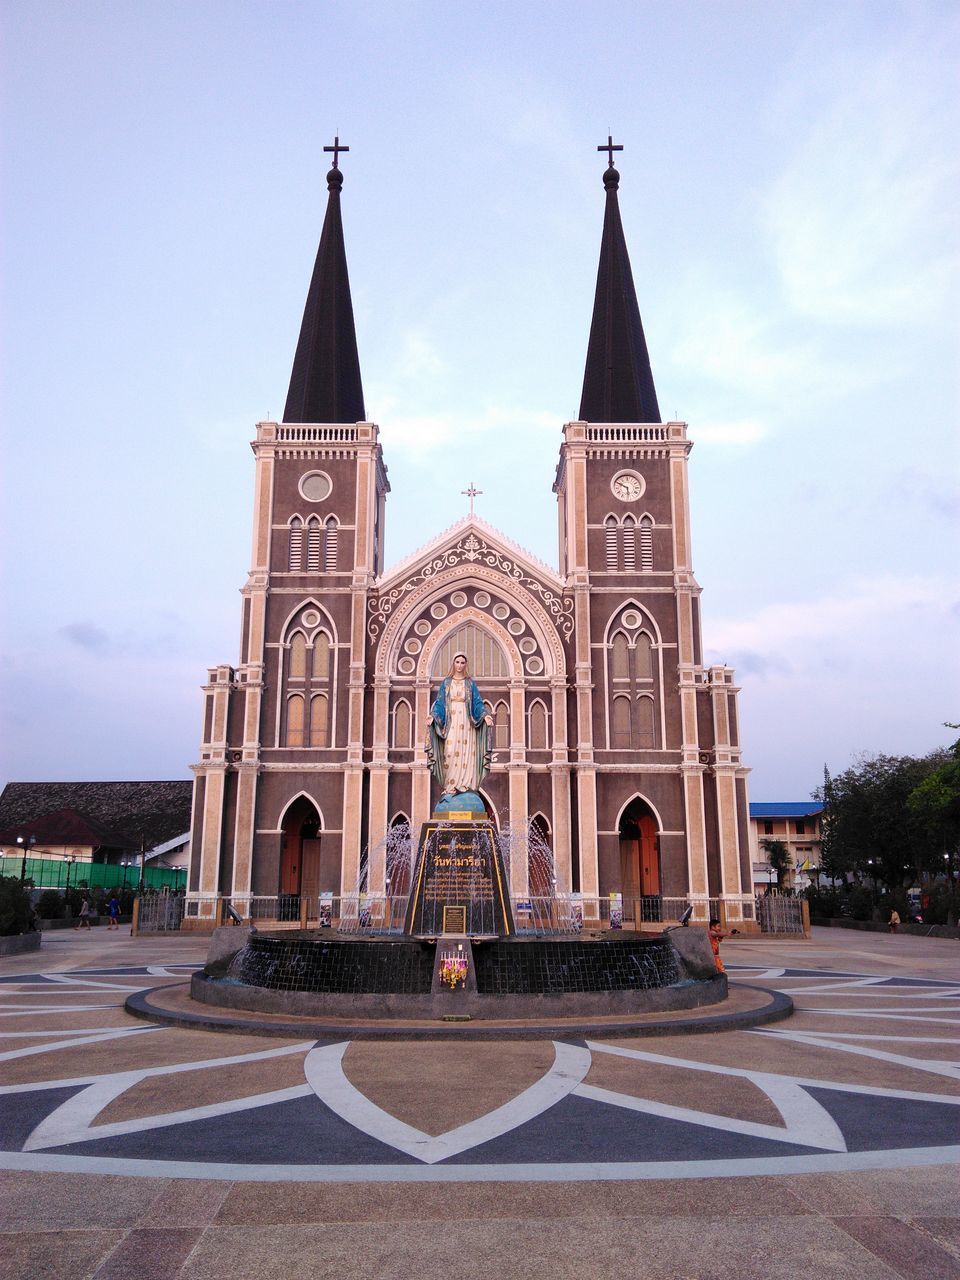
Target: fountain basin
{"points": [[311, 974]]}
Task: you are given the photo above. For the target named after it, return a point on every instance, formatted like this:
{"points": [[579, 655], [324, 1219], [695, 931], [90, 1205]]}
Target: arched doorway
{"points": [[299, 857], [539, 859], [640, 858]]}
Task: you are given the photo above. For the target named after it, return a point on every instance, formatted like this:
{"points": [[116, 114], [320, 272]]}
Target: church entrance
{"points": [[640, 862], [299, 858]]}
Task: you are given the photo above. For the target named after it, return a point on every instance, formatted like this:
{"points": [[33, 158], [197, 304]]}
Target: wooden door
{"points": [[649, 857], [290, 863]]}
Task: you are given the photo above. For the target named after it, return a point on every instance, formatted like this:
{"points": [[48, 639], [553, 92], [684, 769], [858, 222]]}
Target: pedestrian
{"points": [[113, 911], [715, 939], [84, 920], [894, 921]]}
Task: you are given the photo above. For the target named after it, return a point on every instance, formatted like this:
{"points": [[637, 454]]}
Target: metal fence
{"points": [[779, 914], [160, 912], [56, 873]]}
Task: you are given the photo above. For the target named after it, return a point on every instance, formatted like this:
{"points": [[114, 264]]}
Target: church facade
{"points": [[609, 733]]}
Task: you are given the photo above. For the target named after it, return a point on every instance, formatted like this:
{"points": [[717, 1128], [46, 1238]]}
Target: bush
{"points": [[50, 905], [860, 903], [825, 903], [15, 909]]}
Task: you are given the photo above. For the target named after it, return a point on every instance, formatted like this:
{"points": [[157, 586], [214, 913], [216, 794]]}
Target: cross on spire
{"points": [[609, 147], [336, 149], [471, 493]]}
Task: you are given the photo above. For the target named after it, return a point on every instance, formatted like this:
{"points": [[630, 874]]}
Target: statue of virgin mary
{"points": [[459, 741]]}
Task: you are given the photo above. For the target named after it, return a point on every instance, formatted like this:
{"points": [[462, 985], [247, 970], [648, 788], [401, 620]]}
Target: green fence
{"points": [[53, 873]]}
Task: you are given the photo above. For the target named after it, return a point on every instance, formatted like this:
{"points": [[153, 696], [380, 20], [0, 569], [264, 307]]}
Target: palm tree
{"points": [[778, 855]]}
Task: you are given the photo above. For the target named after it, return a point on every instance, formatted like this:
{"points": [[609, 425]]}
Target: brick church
{"points": [[610, 734]]}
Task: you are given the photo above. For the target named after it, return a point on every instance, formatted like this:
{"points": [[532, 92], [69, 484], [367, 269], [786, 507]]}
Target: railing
{"points": [[159, 912], [322, 435], [779, 914], [625, 435], [373, 915]]}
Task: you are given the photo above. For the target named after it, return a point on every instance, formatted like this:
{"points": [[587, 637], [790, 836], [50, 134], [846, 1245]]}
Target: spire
{"points": [[325, 383], [617, 382]]}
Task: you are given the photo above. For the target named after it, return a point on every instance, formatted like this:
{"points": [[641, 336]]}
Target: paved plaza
{"points": [[825, 1145]]}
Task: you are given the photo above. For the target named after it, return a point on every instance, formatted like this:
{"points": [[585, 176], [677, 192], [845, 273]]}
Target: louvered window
{"points": [[330, 546], [611, 529], [313, 545], [629, 545], [295, 558], [646, 545]]}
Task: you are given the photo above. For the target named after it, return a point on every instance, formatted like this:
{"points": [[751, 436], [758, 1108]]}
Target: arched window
{"points": [[401, 724], [319, 720], [538, 726], [313, 545], [330, 545], [621, 657], [629, 545], [485, 658], [646, 730], [644, 666], [294, 734], [321, 656], [501, 725], [620, 738], [295, 554], [611, 529], [297, 668], [646, 545]]}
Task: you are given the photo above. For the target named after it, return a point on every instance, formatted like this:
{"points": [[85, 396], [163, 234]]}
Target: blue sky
{"points": [[789, 193]]}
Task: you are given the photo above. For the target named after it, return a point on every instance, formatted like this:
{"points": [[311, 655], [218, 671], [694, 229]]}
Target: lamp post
{"points": [[69, 860], [125, 862], [26, 843], [769, 878]]}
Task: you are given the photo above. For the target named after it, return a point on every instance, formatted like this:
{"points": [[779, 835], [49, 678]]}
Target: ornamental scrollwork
{"points": [[471, 550]]}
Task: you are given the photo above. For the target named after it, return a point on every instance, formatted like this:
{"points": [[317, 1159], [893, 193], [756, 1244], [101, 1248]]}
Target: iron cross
{"points": [[471, 493], [610, 148], [336, 149]]}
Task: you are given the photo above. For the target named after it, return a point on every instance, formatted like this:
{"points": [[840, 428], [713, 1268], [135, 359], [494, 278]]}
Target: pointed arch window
{"points": [[620, 736], [402, 725], [646, 721], [621, 657], [319, 720], [313, 544], [501, 725], [629, 545], [321, 656], [537, 729], [611, 537], [297, 662], [634, 691], [294, 728], [295, 553], [331, 544], [646, 545], [643, 664]]}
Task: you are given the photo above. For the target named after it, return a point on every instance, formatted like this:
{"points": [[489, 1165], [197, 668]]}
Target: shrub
{"points": [[860, 903], [15, 909], [50, 905]]}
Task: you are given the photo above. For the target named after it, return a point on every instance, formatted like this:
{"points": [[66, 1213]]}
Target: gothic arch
{"points": [[483, 620], [649, 622], [638, 795], [542, 628], [309, 684], [300, 795]]}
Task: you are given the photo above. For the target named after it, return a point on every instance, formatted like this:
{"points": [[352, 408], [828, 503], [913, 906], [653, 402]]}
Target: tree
{"points": [[778, 855], [868, 825], [935, 806]]}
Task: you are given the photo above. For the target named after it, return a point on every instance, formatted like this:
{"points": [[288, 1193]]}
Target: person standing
{"points": [[894, 922], [113, 912], [83, 921], [715, 939]]}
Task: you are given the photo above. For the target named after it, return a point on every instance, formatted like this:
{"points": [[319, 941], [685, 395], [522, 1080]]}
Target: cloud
{"points": [[745, 431], [421, 434], [861, 219], [923, 488], [866, 622], [86, 636]]}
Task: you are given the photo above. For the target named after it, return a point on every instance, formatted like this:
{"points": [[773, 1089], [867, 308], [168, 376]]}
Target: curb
{"points": [[776, 1009]]}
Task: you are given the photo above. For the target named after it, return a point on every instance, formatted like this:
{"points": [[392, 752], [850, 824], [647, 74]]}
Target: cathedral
{"points": [[610, 735]]}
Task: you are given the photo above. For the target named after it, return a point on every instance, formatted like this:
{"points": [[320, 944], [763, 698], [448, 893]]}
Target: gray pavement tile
{"points": [[912, 1254], [30, 1201], [185, 1202], [54, 1255], [945, 1230], [326, 1203], [573, 1249], [149, 1254]]}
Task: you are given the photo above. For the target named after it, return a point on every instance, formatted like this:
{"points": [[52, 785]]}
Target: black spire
{"points": [[325, 383], [617, 382]]}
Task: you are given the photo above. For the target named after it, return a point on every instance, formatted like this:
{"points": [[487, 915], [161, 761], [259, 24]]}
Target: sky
{"points": [[789, 194]]}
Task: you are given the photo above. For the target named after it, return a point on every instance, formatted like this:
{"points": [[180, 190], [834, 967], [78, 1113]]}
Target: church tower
{"points": [[281, 760], [660, 789], [611, 738]]}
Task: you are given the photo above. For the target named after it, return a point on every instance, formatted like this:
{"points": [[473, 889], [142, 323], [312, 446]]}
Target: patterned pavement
{"points": [[860, 1088]]}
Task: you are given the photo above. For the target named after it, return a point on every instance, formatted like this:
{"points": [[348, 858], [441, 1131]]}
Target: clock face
{"points": [[627, 486]]}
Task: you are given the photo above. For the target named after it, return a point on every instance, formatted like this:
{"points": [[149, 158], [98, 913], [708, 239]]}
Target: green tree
{"points": [[778, 855], [868, 825], [935, 806]]}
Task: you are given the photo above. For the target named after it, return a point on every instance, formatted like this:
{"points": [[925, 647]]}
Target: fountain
{"points": [[446, 941]]}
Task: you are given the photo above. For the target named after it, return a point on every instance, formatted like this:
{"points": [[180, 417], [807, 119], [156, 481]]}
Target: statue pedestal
{"points": [[460, 888]]}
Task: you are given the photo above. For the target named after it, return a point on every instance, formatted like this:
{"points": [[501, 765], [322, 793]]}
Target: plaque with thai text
{"points": [[459, 866]]}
